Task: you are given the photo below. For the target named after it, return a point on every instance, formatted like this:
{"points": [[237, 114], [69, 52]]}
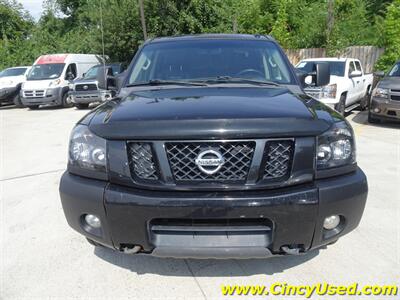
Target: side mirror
{"points": [[355, 74], [83, 75], [379, 74], [322, 75], [104, 81]]}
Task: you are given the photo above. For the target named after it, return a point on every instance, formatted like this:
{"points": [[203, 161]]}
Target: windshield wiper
{"points": [[155, 82], [229, 79]]}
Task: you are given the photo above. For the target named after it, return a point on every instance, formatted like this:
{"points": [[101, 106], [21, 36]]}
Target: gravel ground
{"points": [[41, 257]]}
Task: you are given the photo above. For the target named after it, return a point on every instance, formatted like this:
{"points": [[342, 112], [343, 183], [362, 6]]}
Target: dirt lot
{"points": [[41, 257]]}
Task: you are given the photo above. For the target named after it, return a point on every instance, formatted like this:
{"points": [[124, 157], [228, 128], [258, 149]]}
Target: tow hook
{"points": [[130, 249], [292, 249]]}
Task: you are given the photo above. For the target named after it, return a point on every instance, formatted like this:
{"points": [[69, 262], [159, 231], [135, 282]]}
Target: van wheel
{"points": [[82, 105], [17, 101], [33, 107], [66, 101], [341, 106]]}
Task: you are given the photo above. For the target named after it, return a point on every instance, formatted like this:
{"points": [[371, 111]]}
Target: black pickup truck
{"points": [[211, 149]]}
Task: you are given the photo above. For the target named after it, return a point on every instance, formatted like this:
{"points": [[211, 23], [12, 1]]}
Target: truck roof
{"points": [[212, 36]]}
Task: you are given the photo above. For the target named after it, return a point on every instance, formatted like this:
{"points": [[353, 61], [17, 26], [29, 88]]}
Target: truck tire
{"points": [[66, 101], [33, 107], [372, 120], [82, 105], [341, 106], [17, 101]]}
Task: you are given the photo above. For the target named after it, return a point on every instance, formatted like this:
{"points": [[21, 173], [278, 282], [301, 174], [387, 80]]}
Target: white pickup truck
{"points": [[348, 88]]}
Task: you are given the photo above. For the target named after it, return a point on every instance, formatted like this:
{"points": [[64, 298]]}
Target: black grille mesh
{"points": [[85, 87], [141, 161], [237, 155], [278, 155]]}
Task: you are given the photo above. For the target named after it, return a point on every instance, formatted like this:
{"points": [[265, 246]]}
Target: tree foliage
{"points": [[75, 25]]}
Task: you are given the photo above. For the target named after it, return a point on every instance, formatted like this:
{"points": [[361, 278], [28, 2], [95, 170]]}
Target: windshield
{"points": [[208, 59], [395, 72], [46, 71], [337, 68], [92, 73], [13, 72]]}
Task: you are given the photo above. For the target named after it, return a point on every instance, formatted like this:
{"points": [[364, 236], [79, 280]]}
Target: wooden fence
{"points": [[368, 55]]}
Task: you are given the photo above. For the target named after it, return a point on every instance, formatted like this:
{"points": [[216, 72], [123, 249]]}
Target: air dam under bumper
{"points": [[246, 224]]}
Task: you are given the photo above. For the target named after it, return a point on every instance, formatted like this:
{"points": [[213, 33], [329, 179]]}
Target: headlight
{"points": [[55, 82], [87, 151], [336, 147], [329, 91], [71, 86], [380, 93]]}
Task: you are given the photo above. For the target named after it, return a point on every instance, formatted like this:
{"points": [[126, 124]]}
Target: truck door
{"points": [[361, 88], [352, 94]]}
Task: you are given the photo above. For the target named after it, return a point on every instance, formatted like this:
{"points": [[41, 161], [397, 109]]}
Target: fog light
{"points": [[93, 221], [331, 222]]}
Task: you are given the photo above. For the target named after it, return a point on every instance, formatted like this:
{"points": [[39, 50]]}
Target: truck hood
{"points": [[390, 83], [210, 112]]}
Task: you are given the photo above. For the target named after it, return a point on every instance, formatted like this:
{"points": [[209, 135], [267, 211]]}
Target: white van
{"points": [[48, 80]]}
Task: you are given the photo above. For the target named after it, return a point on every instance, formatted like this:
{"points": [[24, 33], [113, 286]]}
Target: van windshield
{"points": [[13, 72], [198, 60], [46, 71]]}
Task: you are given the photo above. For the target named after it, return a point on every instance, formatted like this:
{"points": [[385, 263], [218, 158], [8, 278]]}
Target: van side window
{"points": [[71, 70]]}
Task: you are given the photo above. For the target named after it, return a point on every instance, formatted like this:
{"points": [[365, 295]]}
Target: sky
{"points": [[35, 7]]}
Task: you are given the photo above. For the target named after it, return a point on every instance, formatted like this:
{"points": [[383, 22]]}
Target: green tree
{"points": [[391, 37]]}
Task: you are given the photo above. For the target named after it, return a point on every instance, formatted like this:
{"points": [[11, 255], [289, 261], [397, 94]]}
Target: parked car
{"points": [[212, 149], [348, 88], [85, 90], [385, 101], [10, 85], [48, 80]]}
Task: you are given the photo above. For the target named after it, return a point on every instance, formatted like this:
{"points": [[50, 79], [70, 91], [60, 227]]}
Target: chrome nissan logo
{"points": [[85, 87], [210, 161]]}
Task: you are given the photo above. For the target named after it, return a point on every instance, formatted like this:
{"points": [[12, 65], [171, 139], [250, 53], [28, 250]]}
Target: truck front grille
{"points": [[141, 161], [237, 160], [211, 163], [85, 87], [278, 156], [34, 94]]}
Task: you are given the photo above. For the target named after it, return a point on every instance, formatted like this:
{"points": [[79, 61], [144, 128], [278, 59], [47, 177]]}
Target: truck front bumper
{"points": [[385, 109], [215, 224], [8, 93]]}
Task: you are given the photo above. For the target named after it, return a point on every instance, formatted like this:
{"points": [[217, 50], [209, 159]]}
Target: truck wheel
{"points": [[33, 107], [341, 106], [372, 120], [82, 105], [93, 243], [17, 101], [66, 101]]}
